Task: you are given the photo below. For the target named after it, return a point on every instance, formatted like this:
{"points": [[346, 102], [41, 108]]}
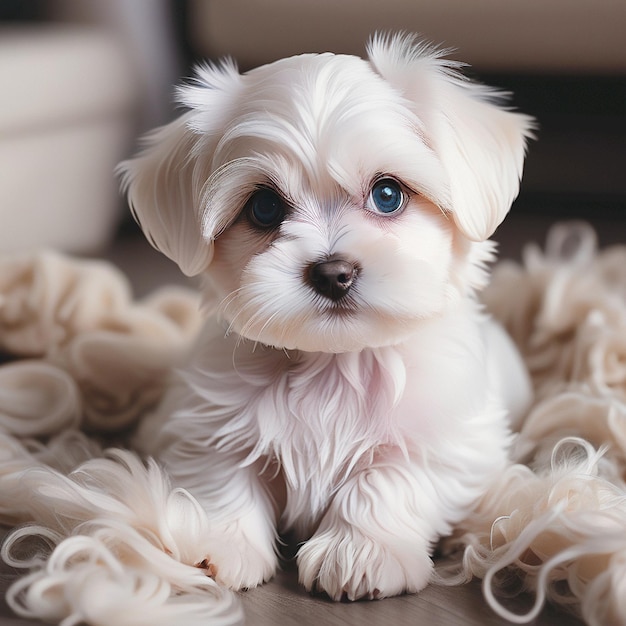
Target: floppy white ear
{"points": [[480, 145], [165, 181], [162, 198]]}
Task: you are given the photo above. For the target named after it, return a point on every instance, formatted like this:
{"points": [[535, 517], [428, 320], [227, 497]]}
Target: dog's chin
{"points": [[319, 339], [334, 331]]}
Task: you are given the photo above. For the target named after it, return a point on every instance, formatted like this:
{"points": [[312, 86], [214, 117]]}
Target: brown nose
{"points": [[333, 277]]}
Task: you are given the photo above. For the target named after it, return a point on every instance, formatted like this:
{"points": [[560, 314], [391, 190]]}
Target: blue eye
{"points": [[265, 208], [387, 196]]}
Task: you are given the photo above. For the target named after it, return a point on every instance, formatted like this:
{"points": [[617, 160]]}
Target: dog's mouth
{"points": [[347, 307]]}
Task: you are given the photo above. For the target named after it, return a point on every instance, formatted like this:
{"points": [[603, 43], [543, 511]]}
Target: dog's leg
{"points": [[376, 537], [240, 547]]}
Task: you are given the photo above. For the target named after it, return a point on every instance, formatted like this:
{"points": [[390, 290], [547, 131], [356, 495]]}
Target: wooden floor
{"points": [[282, 602]]}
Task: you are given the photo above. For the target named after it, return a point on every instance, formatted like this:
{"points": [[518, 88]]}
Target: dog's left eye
{"points": [[386, 196], [265, 208]]}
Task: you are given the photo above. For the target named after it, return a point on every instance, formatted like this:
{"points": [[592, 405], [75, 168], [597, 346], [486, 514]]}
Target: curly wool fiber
{"points": [[92, 355], [559, 528], [106, 573]]}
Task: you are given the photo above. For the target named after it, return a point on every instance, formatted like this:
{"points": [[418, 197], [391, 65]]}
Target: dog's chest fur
{"points": [[318, 416]]}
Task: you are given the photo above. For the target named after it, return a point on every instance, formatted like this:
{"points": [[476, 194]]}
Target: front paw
{"points": [[239, 562], [344, 563]]}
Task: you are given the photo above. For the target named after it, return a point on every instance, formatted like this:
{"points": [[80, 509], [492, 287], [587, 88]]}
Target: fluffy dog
{"points": [[347, 386]]}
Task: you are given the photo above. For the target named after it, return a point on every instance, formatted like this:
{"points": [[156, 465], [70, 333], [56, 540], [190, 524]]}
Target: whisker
{"points": [[225, 303], [260, 313]]}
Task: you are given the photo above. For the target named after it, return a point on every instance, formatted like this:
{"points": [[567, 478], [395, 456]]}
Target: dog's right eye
{"points": [[265, 208], [387, 196]]}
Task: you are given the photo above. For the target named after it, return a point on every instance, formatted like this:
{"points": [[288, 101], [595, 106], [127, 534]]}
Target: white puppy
{"points": [[347, 386]]}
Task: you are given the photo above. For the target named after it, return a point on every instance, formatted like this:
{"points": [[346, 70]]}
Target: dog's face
{"points": [[332, 203]]}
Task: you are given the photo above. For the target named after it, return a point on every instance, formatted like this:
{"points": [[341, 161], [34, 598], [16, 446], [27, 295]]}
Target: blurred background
{"points": [[81, 79]]}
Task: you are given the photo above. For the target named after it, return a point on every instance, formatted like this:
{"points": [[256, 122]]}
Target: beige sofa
{"points": [[65, 121], [520, 35]]}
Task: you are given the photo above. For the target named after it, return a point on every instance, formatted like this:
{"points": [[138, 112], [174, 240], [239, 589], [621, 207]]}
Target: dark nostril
{"points": [[332, 278]]}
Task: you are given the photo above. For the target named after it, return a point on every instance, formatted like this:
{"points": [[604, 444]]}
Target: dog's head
{"points": [[333, 203]]}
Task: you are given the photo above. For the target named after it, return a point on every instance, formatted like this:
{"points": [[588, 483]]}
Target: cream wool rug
{"points": [[83, 361]]}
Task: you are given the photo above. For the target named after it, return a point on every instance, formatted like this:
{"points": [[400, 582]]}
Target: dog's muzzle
{"points": [[332, 277]]}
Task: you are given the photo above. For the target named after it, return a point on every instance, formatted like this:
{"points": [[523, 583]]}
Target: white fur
{"points": [[371, 430], [369, 426]]}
